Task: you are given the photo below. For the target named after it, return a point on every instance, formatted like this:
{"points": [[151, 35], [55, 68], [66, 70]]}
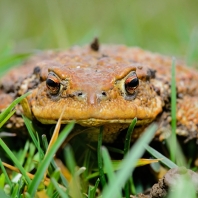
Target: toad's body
{"points": [[108, 86]]}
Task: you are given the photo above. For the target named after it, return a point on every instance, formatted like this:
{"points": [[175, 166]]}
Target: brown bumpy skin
{"points": [[92, 85]]}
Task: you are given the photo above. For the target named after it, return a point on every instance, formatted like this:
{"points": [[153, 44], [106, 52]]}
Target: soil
{"points": [[170, 179]]}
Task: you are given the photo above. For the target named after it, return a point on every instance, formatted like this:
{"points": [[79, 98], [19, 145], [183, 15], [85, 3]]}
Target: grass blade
{"points": [[32, 135], [115, 150], [92, 189], [109, 170], [7, 118], [7, 111], [114, 187], [30, 156], [7, 62], [2, 194], [158, 155], [173, 137], [5, 173], [128, 136], [107, 164], [126, 149], [100, 163], [15, 160], [53, 163], [46, 161], [50, 188], [59, 190], [70, 161]]}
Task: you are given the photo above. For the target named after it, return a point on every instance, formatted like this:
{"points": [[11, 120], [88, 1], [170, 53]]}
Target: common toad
{"points": [[105, 85]]}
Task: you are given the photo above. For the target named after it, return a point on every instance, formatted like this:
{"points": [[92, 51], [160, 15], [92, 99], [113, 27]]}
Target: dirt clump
{"points": [[169, 182]]}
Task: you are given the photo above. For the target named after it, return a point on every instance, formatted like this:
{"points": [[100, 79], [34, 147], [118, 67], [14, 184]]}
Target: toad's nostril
{"points": [[104, 93], [79, 94]]}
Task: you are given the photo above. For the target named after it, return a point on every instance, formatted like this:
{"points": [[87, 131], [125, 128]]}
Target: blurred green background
{"points": [[168, 26]]}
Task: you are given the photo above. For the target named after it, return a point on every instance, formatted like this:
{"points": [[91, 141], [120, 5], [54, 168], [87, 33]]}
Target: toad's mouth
{"points": [[98, 115], [94, 122]]}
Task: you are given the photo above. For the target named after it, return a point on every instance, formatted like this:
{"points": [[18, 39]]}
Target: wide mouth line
{"points": [[96, 121]]}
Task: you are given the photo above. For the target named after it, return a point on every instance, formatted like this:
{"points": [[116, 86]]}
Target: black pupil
{"points": [[51, 83], [133, 83]]}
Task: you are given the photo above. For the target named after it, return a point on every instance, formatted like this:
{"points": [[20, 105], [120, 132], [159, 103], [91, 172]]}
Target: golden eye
{"points": [[53, 84], [131, 83]]}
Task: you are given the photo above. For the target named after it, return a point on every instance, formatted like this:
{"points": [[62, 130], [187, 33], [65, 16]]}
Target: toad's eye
{"points": [[131, 83], [53, 84]]}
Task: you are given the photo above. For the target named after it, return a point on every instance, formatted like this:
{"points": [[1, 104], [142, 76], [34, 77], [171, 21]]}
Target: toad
{"points": [[105, 85]]}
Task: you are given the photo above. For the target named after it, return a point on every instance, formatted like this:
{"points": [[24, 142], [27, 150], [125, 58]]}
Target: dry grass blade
{"points": [[31, 176], [56, 131], [55, 135]]}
